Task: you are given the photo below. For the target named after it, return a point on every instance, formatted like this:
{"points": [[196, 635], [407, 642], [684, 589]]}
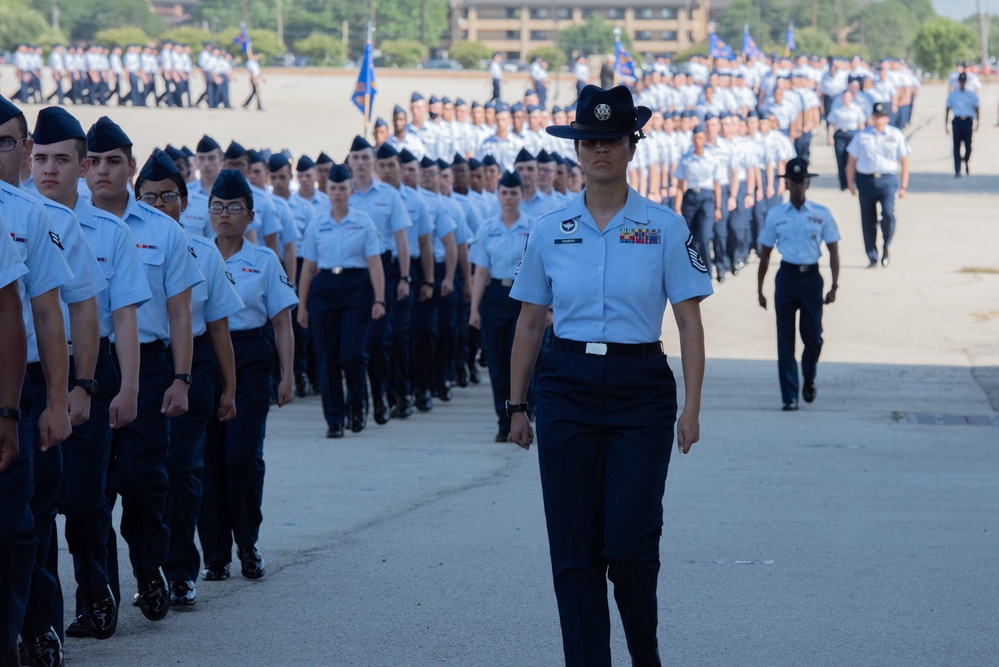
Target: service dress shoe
{"points": [[473, 375], [154, 599], [252, 563], [182, 593], [45, 650], [790, 407], [78, 628], [808, 392], [403, 410], [503, 436], [461, 377], [381, 410], [358, 421], [301, 387], [335, 431], [100, 617], [215, 572], [424, 403], [885, 260], [872, 263], [11, 659], [444, 392]]}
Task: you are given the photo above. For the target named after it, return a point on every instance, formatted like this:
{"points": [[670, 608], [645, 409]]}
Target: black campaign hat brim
{"points": [[643, 114]]}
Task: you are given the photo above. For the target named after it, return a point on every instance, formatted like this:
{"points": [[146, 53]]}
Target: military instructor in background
{"points": [[963, 103]]}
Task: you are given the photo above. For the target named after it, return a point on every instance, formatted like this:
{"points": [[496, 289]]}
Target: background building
{"points": [[516, 29]]}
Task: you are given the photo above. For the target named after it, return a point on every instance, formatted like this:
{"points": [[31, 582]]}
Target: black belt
{"points": [[502, 282], [247, 334], [876, 175], [607, 349], [800, 268], [146, 349], [964, 117], [339, 270]]}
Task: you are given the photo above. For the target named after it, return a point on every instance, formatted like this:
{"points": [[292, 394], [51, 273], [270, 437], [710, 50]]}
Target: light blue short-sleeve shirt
{"points": [[195, 218], [11, 266], [385, 207], [799, 234], [499, 249], [215, 297], [611, 286], [442, 222], [418, 215], [262, 285], [346, 244]]}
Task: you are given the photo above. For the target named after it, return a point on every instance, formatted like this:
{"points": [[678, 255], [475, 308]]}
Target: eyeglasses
{"points": [[233, 209], [167, 197], [7, 144]]}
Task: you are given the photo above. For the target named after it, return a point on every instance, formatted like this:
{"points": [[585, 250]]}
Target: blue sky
{"points": [[961, 9]]}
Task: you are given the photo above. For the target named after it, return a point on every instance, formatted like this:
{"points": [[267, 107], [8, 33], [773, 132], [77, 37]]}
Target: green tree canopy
{"points": [[264, 42], [554, 58], [189, 35], [941, 42], [594, 36], [20, 24], [122, 37], [469, 54], [403, 52], [82, 19], [887, 28], [323, 49]]}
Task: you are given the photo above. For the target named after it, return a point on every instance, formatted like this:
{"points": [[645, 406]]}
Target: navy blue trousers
{"points": [[961, 131], [83, 498], [424, 332], [605, 432], [400, 374], [47, 472], [739, 231], [18, 542], [305, 351], [137, 473], [842, 139], [871, 192], [499, 315], [380, 332], [803, 146], [340, 321], [185, 462], [461, 327], [446, 350], [233, 474], [721, 236], [796, 292], [698, 209]]}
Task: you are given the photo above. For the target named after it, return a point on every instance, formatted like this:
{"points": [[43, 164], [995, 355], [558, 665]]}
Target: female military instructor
{"points": [[607, 263]]}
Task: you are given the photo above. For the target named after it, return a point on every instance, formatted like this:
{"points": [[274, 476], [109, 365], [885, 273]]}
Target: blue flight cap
{"points": [[558, 159], [386, 151], [55, 124], [443, 164], [699, 128], [516, 106], [446, 100], [159, 167], [415, 97], [725, 114], [305, 163], [544, 157], [207, 145], [752, 114], [277, 162], [531, 108], [476, 105], [524, 156], [459, 103], [256, 156], [556, 109], [491, 104], [405, 156], [502, 107], [231, 184], [459, 159], [359, 144], [174, 153], [474, 164], [434, 99], [511, 179], [489, 161], [323, 159], [710, 115], [380, 122], [339, 173], [105, 135], [187, 151], [396, 110], [234, 151], [8, 110], [427, 163]]}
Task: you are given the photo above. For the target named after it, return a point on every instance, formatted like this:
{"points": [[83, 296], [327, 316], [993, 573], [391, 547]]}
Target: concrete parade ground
{"points": [[861, 530]]}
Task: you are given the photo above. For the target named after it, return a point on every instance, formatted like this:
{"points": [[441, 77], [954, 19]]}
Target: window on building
{"points": [[513, 34], [539, 13], [667, 13], [589, 12], [542, 35], [563, 13], [615, 13], [644, 13], [668, 35], [643, 35], [513, 12]]}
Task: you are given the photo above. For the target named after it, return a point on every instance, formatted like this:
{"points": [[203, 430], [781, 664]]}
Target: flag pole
{"points": [[367, 92]]}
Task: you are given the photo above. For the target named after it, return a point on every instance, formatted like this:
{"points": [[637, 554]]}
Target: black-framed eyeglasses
{"points": [[233, 209], [166, 197], [7, 144]]}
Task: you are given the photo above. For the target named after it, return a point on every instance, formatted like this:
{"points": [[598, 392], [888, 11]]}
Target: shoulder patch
{"points": [[229, 277], [56, 240], [695, 257], [193, 254], [285, 280]]}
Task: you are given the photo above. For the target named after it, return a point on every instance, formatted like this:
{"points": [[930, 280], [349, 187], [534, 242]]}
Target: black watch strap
{"points": [[184, 377], [512, 408], [407, 279], [89, 386], [10, 413]]}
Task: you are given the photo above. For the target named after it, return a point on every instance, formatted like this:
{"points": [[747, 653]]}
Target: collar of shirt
{"points": [[635, 210], [247, 254]]}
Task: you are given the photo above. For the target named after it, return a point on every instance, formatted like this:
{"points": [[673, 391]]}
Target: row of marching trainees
{"points": [[151, 362]]}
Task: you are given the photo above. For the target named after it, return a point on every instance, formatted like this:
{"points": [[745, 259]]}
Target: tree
{"points": [[122, 37], [323, 49], [887, 29], [403, 52], [264, 42], [838, 27], [470, 54], [191, 36], [940, 43], [554, 58], [811, 41], [19, 24], [421, 20], [767, 21], [594, 36], [82, 19]]}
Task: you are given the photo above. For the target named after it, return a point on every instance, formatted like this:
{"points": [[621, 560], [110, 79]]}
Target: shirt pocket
{"points": [[153, 262]]}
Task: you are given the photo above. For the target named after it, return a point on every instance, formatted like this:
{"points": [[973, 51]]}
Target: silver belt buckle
{"points": [[696, 191], [506, 282], [804, 268], [599, 349], [336, 270], [876, 175]]}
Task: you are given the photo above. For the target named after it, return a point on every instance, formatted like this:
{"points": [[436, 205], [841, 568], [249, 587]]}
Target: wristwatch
{"points": [[10, 413], [511, 408], [89, 386], [184, 377], [406, 279]]}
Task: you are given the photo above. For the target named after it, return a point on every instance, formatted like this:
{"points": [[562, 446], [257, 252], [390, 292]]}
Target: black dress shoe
{"points": [[473, 375], [100, 617], [808, 392], [884, 258], [11, 659], [301, 387], [424, 403], [78, 628], [790, 407], [483, 362], [358, 421], [381, 410], [215, 572], [252, 563], [444, 392], [503, 436], [721, 278], [461, 377], [154, 599], [872, 263], [182, 593], [335, 431], [45, 650]]}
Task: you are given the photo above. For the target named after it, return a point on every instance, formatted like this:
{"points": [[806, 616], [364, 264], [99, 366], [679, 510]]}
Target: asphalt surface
{"points": [[861, 530]]}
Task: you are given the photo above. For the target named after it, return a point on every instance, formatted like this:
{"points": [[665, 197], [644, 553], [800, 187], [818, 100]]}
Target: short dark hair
{"points": [[246, 200], [22, 125], [81, 148], [177, 179]]}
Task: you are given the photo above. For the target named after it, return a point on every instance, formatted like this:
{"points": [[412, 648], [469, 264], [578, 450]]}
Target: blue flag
{"points": [[718, 48], [243, 39], [789, 40], [749, 48], [624, 64], [366, 88]]}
